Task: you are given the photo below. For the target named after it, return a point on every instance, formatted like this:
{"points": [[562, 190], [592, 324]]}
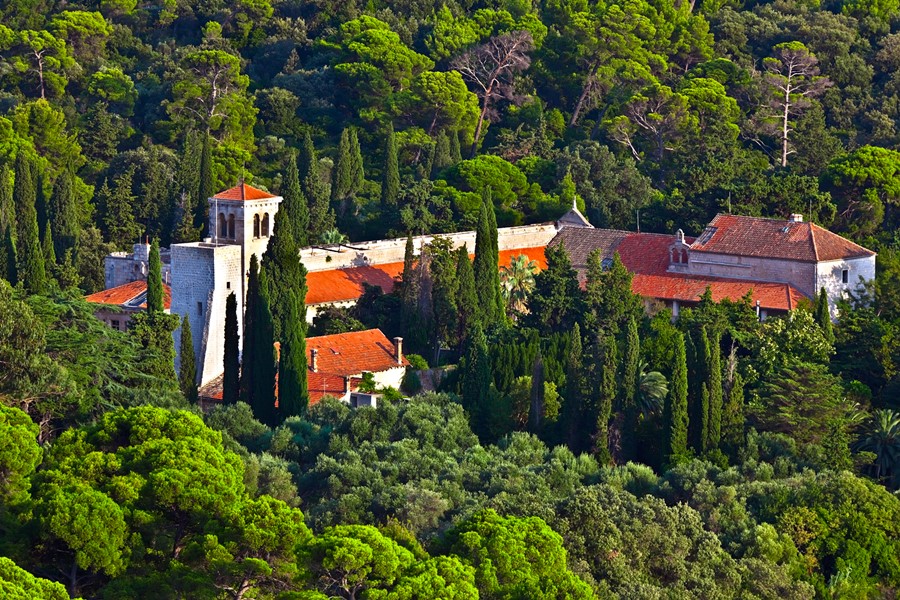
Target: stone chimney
{"points": [[398, 350], [795, 218], [314, 360], [347, 380]]}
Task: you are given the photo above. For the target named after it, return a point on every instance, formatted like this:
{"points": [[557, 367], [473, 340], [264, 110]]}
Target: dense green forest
{"points": [[577, 446]]}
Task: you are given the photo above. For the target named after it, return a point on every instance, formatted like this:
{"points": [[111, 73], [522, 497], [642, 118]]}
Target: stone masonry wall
{"points": [[801, 275], [829, 276]]}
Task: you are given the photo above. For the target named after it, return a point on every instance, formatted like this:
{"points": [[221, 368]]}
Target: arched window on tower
{"points": [[231, 226], [256, 226], [265, 225], [223, 226]]}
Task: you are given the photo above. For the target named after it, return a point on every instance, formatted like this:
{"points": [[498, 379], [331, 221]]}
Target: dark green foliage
{"points": [[8, 257], [63, 214], [733, 410], [293, 398], [455, 150], [607, 359], [486, 265], [822, 315], [555, 304], [7, 206], [207, 185], [441, 159], [262, 390], [231, 362], [321, 218], [118, 204], [675, 416], [357, 172], [573, 408], [249, 338], [467, 300], [187, 372], [295, 204], [154, 280], [629, 385], [716, 396], [48, 251], [475, 381], [341, 175], [390, 174], [284, 273], [30, 267]]}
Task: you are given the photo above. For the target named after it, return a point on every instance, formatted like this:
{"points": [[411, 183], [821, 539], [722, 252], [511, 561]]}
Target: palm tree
{"points": [[516, 282], [881, 436], [652, 390], [332, 236]]}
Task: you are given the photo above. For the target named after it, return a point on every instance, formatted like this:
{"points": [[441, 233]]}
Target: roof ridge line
{"points": [[812, 238]]}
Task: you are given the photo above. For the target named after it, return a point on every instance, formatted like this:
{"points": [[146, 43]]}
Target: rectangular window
{"points": [[845, 276], [227, 285], [200, 308], [115, 324]]}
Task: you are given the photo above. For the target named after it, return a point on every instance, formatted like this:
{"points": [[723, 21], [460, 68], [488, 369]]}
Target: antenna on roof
{"points": [[729, 201], [638, 214]]}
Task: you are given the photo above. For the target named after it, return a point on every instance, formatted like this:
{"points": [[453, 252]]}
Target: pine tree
{"points": [[630, 368], [293, 394], [341, 181], [63, 213], [7, 208], [714, 369], [357, 172], [467, 300], [441, 158], [207, 185], [455, 150], [294, 204], [249, 339], [487, 273], [232, 365], [187, 373], [8, 269], [606, 395], [390, 175], [321, 218], [262, 398], [154, 280], [675, 415], [822, 315], [121, 226], [284, 272], [30, 268]]}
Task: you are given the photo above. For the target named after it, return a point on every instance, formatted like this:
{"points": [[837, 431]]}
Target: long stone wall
{"points": [[381, 252], [801, 275]]}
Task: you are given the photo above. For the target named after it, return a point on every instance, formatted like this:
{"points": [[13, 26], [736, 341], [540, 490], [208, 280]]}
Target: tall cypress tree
{"points": [[262, 398], [455, 150], [733, 413], [606, 395], [357, 172], [675, 415], [232, 365], [698, 396], [822, 315], [63, 213], [248, 374], [475, 384], [536, 410], [714, 369], [119, 203], [187, 373], [390, 175], [294, 204], [442, 158], [48, 251], [41, 205], [487, 273], [7, 208], [293, 393], [630, 368], [31, 269], [467, 299], [8, 269], [154, 280], [321, 218], [207, 185], [573, 408], [341, 180], [284, 273], [409, 292]]}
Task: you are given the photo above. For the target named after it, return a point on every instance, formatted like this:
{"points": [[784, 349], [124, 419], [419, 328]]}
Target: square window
{"points": [[200, 309], [115, 324], [845, 276]]}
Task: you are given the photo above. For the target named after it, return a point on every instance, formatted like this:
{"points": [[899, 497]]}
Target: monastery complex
{"points": [[777, 262]]}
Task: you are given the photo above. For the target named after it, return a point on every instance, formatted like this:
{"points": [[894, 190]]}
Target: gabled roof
{"points": [[775, 238], [579, 244], [319, 385], [342, 285], [242, 192], [573, 218], [346, 354], [130, 295]]}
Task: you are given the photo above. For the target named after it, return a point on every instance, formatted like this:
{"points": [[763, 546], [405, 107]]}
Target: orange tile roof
{"points": [[345, 354], [320, 385], [124, 294], [775, 238], [243, 192], [341, 285]]}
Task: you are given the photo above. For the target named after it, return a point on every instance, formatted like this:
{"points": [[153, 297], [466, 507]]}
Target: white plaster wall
{"points": [[390, 378], [202, 274], [801, 275], [380, 252], [313, 309], [829, 276]]}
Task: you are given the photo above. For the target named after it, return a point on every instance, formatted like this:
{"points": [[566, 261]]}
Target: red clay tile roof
{"points": [[341, 285], [243, 192], [774, 238], [352, 353], [320, 385], [125, 295]]}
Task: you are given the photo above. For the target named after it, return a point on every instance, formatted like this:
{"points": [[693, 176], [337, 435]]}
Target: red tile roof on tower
{"points": [[243, 192], [346, 354], [128, 294], [775, 238], [343, 285]]}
